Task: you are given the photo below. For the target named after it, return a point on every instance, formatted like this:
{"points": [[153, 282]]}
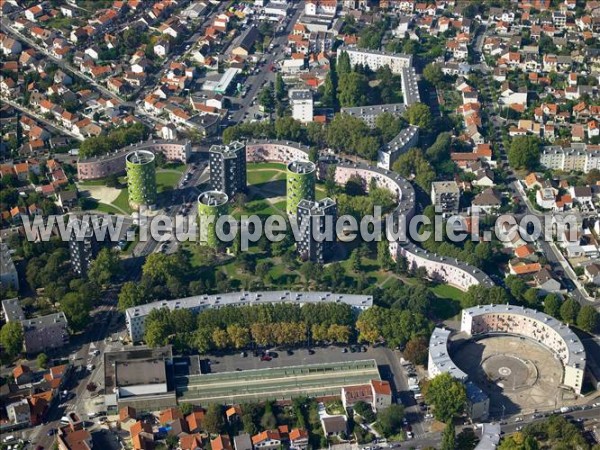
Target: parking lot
{"points": [[232, 362]]}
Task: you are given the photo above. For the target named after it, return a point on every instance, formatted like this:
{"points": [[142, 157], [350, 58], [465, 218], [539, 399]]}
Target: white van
{"points": [[9, 438]]}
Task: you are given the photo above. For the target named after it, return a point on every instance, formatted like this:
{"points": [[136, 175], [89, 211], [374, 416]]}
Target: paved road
{"points": [[92, 339], [256, 82], [550, 251], [52, 125]]}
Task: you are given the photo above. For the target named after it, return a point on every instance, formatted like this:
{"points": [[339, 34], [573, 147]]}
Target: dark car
{"points": [[265, 358], [51, 432], [255, 353], [273, 354], [289, 352], [311, 351]]}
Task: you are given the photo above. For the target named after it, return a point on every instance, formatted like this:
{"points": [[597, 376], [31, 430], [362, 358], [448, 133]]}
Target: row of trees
{"points": [[117, 138], [268, 324], [393, 326]]}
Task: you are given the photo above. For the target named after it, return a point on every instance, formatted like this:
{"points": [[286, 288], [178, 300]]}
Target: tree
{"points": [[365, 411], [171, 441], [220, 338], [588, 319], [352, 89], [158, 328], [106, 265], [266, 100], [186, 408], [11, 338], [524, 152], [592, 177], [384, 259], [419, 114], [42, 361], [343, 65], [414, 163], [279, 87], [390, 419], [131, 295], [238, 335], [388, 125], [77, 309], [447, 395], [355, 261], [213, 419], [329, 96], [433, 73], [449, 437], [417, 350], [569, 311], [552, 305]]}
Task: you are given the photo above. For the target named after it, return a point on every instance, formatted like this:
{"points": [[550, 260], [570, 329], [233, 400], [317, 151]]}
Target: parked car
{"points": [[265, 358]]}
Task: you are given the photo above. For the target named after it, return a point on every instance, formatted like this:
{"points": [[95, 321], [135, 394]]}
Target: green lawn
{"points": [[262, 176], [108, 209], [122, 201], [447, 291], [179, 167], [166, 180], [448, 303], [266, 165]]}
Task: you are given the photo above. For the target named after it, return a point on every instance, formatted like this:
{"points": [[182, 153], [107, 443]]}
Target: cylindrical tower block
{"points": [[300, 184], [211, 203], [141, 178]]}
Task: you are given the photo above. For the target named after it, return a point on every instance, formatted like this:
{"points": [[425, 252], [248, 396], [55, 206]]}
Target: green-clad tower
{"points": [[211, 203], [141, 178], [300, 184]]}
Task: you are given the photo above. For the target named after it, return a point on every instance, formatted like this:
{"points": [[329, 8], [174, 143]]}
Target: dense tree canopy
{"points": [[11, 338], [524, 152], [419, 114], [447, 395]]}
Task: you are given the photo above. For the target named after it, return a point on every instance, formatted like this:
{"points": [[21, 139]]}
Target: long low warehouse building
{"points": [[135, 317], [279, 384]]}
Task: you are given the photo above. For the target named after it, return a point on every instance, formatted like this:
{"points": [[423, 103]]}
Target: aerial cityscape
{"points": [[299, 224]]}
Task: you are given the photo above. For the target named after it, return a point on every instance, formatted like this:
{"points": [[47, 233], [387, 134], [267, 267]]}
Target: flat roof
{"points": [[130, 354], [12, 310], [490, 436], [313, 380], [147, 371], [575, 349], [396, 109], [6, 263], [399, 142], [375, 52], [120, 153], [229, 150], [438, 353], [441, 187], [140, 157], [252, 298], [317, 208], [410, 86], [44, 321], [301, 167], [223, 83], [300, 94], [213, 198]]}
